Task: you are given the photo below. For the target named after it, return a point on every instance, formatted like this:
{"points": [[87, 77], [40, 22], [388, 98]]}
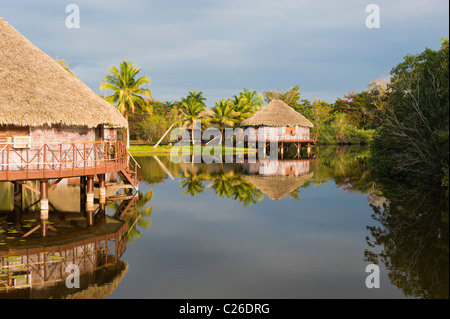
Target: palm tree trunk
{"points": [[128, 131]]}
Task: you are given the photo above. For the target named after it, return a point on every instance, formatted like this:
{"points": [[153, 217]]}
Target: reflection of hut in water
{"points": [[278, 168], [277, 179], [32, 266], [39, 269]]}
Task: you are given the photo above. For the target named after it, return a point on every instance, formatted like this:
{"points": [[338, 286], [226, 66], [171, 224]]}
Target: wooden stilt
{"points": [[90, 200], [102, 188], [44, 207], [82, 193], [18, 202]]}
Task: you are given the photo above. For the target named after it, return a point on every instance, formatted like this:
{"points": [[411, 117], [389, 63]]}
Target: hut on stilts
{"points": [[53, 126], [278, 122]]}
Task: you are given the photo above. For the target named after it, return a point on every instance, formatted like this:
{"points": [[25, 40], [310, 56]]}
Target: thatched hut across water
{"points": [[278, 122]]}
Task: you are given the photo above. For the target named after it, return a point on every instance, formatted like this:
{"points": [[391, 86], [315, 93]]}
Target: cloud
{"points": [[221, 47]]}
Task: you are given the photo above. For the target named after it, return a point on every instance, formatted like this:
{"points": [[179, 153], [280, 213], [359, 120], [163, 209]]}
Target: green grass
{"points": [[164, 150], [138, 149]]}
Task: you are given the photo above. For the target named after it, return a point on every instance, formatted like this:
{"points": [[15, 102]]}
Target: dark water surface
{"points": [[298, 228]]}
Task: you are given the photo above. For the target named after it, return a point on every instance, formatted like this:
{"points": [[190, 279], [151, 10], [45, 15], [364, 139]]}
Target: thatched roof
{"points": [[277, 113], [277, 187], [35, 90]]}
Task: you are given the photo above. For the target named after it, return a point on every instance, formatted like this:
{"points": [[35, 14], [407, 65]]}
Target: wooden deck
{"points": [[61, 160]]}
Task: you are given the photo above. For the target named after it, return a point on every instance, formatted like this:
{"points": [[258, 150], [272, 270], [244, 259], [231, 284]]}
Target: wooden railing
{"points": [[45, 266], [52, 160], [299, 137], [133, 167]]}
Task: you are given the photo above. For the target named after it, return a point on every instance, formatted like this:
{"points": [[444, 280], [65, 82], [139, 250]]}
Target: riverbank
{"points": [[165, 150]]}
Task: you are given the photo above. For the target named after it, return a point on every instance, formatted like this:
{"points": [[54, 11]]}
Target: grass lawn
{"points": [[164, 150]]}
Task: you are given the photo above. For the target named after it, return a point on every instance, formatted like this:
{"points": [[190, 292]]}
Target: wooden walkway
{"points": [[61, 160]]}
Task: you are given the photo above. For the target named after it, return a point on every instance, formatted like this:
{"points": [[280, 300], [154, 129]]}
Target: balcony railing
{"points": [[267, 137], [55, 160]]}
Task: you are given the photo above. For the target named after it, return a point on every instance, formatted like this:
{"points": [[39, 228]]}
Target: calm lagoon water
{"points": [[214, 234], [297, 228]]}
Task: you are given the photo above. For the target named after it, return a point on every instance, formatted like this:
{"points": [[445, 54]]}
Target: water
{"points": [[244, 231]]}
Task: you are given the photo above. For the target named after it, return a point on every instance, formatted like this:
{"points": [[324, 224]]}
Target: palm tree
{"points": [[190, 114], [224, 115], [128, 92], [252, 99], [196, 96], [242, 110]]}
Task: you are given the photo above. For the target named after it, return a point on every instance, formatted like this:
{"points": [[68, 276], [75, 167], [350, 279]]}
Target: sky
{"points": [[221, 47]]}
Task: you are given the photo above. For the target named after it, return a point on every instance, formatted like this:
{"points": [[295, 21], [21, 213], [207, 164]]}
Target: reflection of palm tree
{"points": [[236, 187], [141, 218], [193, 184], [223, 185], [246, 193]]}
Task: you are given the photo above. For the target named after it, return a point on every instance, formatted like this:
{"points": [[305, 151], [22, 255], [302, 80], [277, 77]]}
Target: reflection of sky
{"points": [[209, 247]]}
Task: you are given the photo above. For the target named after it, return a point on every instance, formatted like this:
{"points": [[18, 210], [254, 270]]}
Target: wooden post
{"points": [[44, 207], [18, 202], [156, 145], [82, 194], [90, 200], [102, 187]]}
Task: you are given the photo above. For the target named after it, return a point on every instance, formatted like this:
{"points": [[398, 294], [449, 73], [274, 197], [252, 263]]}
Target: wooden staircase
{"points": [[129, 174]]}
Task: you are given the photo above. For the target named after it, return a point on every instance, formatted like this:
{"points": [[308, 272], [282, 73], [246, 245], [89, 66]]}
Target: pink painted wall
{"points": [[62, 134], [279, 133]]}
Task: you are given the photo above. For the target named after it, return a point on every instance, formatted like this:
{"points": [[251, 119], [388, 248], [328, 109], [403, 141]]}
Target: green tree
{"points": [[128, 91], [191, 111], [413, 143], [223, 115], [196, 96], [291, 97], [246, 104], [63, 63]]}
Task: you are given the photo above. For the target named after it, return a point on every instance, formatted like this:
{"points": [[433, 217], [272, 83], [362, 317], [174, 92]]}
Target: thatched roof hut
{"points": [[36, 91], [276, 114], [277, 187]]}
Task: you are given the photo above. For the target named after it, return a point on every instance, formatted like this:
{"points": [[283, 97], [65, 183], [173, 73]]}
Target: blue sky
{"points": [[220, 47]]}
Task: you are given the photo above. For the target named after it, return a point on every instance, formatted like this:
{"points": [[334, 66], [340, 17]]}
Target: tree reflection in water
{"points": [[411, 235], [414, 240], [139, 216]]}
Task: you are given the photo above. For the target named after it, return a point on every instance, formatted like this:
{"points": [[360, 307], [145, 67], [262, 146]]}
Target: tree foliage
{"points": [[414, 140]]}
